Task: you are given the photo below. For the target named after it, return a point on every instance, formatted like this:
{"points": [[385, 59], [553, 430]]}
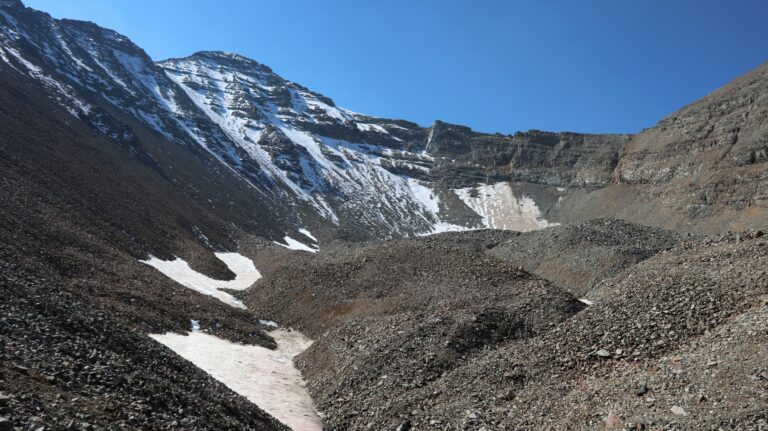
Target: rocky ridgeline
{"points": [[298, 154], [702, 168], [552, 159]]}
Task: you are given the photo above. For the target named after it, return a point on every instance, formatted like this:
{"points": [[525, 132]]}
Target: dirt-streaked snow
{"points": [[265, 377], [180, 271], [501, 209]]}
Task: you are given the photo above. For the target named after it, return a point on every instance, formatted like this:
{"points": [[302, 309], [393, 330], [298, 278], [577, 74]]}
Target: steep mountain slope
{"points": [[308, 161], [112, 86], [349, 167], [64, 365], [108, 157], [703, 168], [355, 176]]}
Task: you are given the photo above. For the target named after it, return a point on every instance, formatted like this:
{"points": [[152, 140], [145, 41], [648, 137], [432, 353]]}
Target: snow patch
{"points": [[424, 195], [366, 127], [268, 323], [308, 234], [179, 270], [267, 378], [442, 226], [296, 245], [501, 209]]}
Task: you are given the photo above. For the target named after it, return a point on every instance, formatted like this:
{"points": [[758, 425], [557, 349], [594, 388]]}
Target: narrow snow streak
{"points": [[265, 377], [180, 271], [308, 234], [293, 244]]}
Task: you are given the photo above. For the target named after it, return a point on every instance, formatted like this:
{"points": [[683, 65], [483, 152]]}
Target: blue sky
{"points": [[587, 66]]}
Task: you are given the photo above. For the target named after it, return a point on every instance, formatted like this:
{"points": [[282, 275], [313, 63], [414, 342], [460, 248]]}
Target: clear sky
{"points": [[504, 65]]}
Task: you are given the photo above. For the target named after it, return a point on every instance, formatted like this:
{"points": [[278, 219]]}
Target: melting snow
{"points": [[352, 170], [442, 226], [308, 234], [265, 377], [268, 323], [365, 127], [296, 245], [501, 209], [180, 271], [424, 195]]}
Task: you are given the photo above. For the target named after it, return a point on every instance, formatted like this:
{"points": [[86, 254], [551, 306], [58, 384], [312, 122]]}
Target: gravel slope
{"points": [[65, 366], [477, 343], [578, 256]]}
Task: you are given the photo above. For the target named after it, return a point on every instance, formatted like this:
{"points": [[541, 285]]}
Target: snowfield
{"points": [[180, 271], [265, 377], [501, 209]]}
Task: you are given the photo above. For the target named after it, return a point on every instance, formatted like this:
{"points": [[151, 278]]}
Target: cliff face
{"points": [[293, 155], [518, 181], [725, 131], [704, 168], [554, 159]]}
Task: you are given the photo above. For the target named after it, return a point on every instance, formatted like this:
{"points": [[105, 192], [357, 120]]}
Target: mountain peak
{"points": [[11, 4], [231, 58]]}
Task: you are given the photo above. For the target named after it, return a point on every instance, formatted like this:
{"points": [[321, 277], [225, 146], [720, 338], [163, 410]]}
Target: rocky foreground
{"points": [[65, 366], [451, 332], [108, 157], [472, 330]]}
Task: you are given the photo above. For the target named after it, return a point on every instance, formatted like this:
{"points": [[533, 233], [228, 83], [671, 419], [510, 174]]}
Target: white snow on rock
{"points": [[428, 199], [228, 89], [501, 209], [267, 378], [442, 226], [271, 323], [424, 195], [293, 244], [180, 271], [365, 127], [308, 234]]}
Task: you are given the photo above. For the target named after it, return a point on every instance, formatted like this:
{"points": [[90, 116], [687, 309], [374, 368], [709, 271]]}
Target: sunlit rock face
{"points": [[303, 157]]}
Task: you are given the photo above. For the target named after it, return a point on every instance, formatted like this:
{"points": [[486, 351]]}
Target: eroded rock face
{"points": [[704, 165], [563, 159], [701, 169]]}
